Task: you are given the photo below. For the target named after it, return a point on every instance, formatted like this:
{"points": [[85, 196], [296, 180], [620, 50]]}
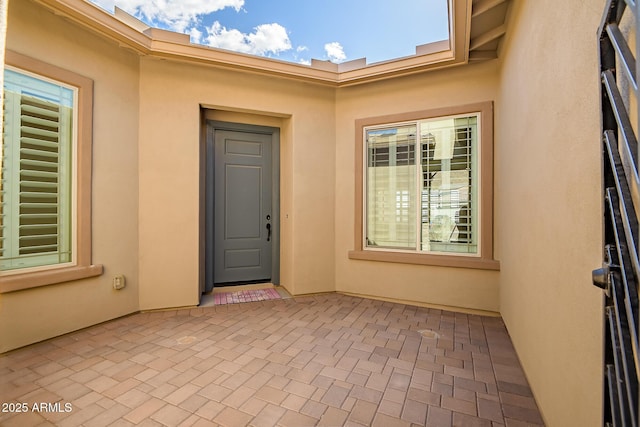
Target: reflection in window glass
{"points": [[449, 185], [391, 187], [431, 206]]}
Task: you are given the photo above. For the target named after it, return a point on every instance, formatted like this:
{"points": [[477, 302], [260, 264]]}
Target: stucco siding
{"points": [[171, 97], [41, 313], [548, 204], [436, 285]]}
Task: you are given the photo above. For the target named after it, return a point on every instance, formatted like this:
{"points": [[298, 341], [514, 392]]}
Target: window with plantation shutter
{"points": [[425, 203], [424, 187], [45, 193], [37, 152]]}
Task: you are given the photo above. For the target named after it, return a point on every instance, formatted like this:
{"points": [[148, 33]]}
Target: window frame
{"points": [[484, 258], [81, 267]]}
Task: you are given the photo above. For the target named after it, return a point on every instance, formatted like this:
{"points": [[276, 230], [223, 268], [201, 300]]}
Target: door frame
{"points": [[211, 126]]}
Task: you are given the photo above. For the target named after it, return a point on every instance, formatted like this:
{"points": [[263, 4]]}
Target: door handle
{"points": [[600, 277], [268, 231]]}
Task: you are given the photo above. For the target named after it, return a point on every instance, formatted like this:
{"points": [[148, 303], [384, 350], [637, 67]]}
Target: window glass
{"points": [[391, 187], [37, 159], [422, 186], [449, 185]]}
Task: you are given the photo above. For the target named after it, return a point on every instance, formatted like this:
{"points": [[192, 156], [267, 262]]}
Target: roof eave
{"points": [[131, 33]]}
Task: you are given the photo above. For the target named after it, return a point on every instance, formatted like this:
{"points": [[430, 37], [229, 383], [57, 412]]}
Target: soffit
{"points": [[488, 26], [476, 27]]}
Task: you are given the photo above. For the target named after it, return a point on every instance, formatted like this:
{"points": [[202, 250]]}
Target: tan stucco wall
{"points": [[454, 287], [37, 314], [147, 189], [171, 97], [548, 204]]}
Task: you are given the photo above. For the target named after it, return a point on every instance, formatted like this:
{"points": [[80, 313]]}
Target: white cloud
{"points": [[176, 15], [185, 16], [196, 35], [269, 38], [266, 39], [335, 52]]}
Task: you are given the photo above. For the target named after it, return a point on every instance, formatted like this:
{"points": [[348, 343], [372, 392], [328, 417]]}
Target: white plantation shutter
{"points": [[36, 173], [422, 183]]}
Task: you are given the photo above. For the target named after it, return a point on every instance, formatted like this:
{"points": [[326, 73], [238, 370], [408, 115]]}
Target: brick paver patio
{"points": [[327, 360]]}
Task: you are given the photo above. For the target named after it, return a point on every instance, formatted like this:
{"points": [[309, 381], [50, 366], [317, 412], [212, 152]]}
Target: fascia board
{"points": [[460, 28], [168, 45], [220, 58], [101, 22], [404, 66]]}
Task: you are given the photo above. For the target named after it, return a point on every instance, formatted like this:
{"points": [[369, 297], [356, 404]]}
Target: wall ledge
{"points": [[32, 280], [426, 259]]}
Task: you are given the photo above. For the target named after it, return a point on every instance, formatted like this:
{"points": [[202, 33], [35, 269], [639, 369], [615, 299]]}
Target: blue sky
{"points": [[299, 30]]}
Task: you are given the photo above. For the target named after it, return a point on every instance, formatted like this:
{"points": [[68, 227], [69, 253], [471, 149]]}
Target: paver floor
{"points": [[326, 360]]}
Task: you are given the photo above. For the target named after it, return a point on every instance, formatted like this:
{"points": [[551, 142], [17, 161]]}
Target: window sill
{"points": [[425, 259], [18, 282]]}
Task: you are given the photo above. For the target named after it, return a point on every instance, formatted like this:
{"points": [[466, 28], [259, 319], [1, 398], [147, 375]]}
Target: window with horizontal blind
{"points": [[424, 187], [45, 209], [425, 202], [37, 172]]}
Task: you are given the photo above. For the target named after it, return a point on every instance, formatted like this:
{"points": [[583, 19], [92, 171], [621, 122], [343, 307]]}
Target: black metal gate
{"points": [[619, 274]]}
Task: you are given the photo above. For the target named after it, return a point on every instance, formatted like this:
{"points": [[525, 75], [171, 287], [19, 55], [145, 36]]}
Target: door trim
{"points": [[211, 127]]}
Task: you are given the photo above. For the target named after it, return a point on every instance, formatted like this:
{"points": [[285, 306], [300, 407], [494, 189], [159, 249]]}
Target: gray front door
{"points": [[241, 211], [242, 234]]}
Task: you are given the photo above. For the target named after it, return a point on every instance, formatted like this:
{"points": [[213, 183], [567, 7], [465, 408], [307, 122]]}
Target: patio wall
{"points": [[316, 184], [548, 204], [41, 313], [147, 188]]}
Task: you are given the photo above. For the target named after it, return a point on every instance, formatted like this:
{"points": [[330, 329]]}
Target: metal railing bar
{"points": [[618, 379], [620, 111], [628, 285], [622, 358], [622, 326], [629, 218], [613, 396], [613, 12], [631, 4], [622, 49], [611, 257], [606, 17], [629, 148]]}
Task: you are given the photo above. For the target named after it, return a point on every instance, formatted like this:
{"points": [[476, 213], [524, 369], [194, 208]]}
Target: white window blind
{"points": [[36, 172]]}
